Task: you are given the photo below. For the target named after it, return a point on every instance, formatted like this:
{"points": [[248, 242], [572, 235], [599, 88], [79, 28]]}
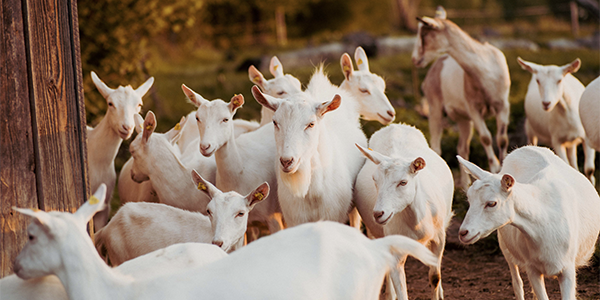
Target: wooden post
{"points": [[43, 162], [280, 26], [574, 19]]}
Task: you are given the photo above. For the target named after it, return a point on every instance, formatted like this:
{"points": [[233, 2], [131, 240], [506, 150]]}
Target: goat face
{"points": [[430, 43], [215, 125]]}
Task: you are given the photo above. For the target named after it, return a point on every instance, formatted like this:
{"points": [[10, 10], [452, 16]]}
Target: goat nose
{"points": [[391, 113], [218, 243], [463, 233], [286, 162], [377, 214], [204, 147]]}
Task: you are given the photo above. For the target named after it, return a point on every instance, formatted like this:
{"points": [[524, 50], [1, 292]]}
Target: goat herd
{"points": [[304, 167]]}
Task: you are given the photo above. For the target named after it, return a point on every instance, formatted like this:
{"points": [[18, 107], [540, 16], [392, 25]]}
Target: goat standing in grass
{"points": [[470, 83], [552, 110], [105, 139], [546, 214]]}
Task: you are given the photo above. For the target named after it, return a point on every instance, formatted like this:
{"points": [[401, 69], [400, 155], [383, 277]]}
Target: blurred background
{"points": [[209, 45]]}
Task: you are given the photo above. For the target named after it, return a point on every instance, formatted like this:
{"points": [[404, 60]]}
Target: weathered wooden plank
{"points": [[17, 155], [59, 125]]}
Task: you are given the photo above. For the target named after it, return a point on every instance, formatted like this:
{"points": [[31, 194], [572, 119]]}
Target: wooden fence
{"points": [[43, 158]]}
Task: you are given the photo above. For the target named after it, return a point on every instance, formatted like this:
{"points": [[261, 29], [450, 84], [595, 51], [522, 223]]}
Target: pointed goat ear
{"points": [[258, 195], [174, 133], [93, 205], [372, 155], [149, 126], [328, 106], [145, 87], [204, 185], [507, 182], [440, 12], [193, 97], [101, 86], [430, 23], [347, 67], [275, 67], [572, 67], [256, 76], [473, 169], [417, 165], [139, 123], [236, 102], [39, 216], [362, 62], [527, 66], [267, 101]]}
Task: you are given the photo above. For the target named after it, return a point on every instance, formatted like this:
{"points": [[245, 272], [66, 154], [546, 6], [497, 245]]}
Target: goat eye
{"points": [[208, 212], [402, 183], [111, 104], [225, 120], [310, 125], [281, 93], [364, 91], [538, 81], [275, 124], [31, 237], [558, 82], [490, 204], [240, 214], [197, 119]]}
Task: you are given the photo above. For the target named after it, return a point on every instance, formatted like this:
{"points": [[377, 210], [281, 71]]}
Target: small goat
{"points": [[407, 189], [286, 265], [318, 167], [546, 214], [552, 110], [105, 139], [282, 85], [140, 228], [589, 110], [470, 83]]}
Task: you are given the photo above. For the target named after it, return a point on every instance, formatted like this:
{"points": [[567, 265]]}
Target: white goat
{"points": [[286, 265], [140, 228], [104, 140], [470, 83], [280, 86], [408, 188], [242, 162], [367, 88], [155, 158], [318, 166], [589, 110], [546, 214], [552, 111], [163, 261]]}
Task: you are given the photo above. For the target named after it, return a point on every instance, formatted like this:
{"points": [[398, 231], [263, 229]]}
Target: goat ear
{"points": [[362, 62], [507, 182], [430, 23], [347, 67], [267, 101], [101, 86], [440, 12], [39, 216], [139, 123], [149, 126], [192, 96], [572, 67], [417, 165], [236, 102], [372, 155], [275, 67], [256, 76], [174, 133], [93, 205], [258, 195], [328, 106], [204, 185], [527, 66], [472, 169], [144, 88]]}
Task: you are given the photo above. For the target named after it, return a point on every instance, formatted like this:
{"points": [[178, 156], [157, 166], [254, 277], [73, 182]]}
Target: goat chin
{"points": [[296, 183]]}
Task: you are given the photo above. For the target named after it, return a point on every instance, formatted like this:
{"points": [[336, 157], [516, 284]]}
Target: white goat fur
{"points": [[242, 162], [140, 228], [286, 265], [471, 83], [546, 214], [552, 111], [163, 261], [589, 110], [155, 158], [105, 139], [407, 188], [314, 142], [282, 85]]}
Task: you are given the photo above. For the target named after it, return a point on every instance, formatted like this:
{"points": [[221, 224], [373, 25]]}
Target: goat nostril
{"points": [[286, 162], [377, 214], [463, 232], [391, 113], [205, 147], [218, 243]]}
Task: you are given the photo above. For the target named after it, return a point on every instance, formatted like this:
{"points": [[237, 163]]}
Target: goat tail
{"points": [[400, 246]]}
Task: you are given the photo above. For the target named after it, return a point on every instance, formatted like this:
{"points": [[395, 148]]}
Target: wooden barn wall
{"points": [[43, 158]]}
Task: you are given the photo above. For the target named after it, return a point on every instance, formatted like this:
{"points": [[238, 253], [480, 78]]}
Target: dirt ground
{"points": [[473, 273]]}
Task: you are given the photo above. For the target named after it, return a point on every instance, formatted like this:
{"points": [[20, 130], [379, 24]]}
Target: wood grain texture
{"points": [[17, 155]]}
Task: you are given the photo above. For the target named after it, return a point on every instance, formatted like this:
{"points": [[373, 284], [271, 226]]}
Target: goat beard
{"points": [[296, 183]]}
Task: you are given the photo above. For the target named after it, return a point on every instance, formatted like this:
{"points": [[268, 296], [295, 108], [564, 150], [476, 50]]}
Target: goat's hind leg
{"points": [[537, 283], [399, 279], [485, 137], [567, 282]]}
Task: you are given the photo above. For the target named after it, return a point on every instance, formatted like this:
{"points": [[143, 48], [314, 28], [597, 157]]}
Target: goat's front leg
{"points": [[465, 134], [572, 155], [588, 166], [485, 137], [399, 279], [502, 118], [560, 150], [567, 282], [517, 282], [537, 284]]}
